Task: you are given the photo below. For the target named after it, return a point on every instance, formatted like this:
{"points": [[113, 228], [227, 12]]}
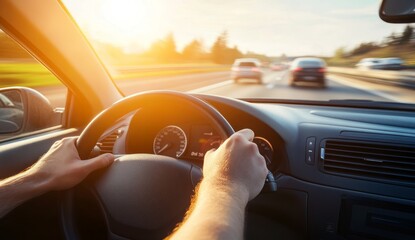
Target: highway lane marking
{"points": [[277, 79], [211, 87], [374, 92], [270, 85]]}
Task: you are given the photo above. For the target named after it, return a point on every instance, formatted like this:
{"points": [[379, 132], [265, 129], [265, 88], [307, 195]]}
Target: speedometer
{"points": [[170, 141]]}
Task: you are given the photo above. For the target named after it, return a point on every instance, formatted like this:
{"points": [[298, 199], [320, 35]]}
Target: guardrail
{"points": [[155, 68], [151, 71], [398, 78]]}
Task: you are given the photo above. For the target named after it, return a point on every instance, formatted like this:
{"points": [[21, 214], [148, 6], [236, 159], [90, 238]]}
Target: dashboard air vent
{"points": [[369, 159], [106, 144]]}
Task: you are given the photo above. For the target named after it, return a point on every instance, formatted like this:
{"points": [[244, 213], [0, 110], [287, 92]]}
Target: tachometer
{"points": [[265, 149], [170, 141]]}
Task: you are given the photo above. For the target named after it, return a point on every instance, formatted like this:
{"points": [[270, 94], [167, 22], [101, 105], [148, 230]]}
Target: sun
{"points": [[124, 15], [130, 24]]}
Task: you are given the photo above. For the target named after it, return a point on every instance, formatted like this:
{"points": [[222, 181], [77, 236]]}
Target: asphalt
{"points": [[275, 85]]}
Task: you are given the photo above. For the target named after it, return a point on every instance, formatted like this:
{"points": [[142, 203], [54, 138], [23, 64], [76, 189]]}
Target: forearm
{"points": [[20, 188], [217, 213], [59, 169]]}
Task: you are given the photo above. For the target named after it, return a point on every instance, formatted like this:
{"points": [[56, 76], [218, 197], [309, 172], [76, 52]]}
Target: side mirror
{"points": [[11, 111], [397, 11], [25, 110]]}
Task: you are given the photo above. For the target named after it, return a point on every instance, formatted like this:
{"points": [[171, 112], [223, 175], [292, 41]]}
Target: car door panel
{"points": [[18, 154]]}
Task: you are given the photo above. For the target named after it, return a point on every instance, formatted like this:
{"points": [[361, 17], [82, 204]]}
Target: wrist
{"points": [[39, 182], [223, 188], [18, 189], [218, 211]]}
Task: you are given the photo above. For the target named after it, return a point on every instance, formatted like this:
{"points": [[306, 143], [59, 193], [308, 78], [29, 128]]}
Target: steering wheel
{"points": [[141, 195]]}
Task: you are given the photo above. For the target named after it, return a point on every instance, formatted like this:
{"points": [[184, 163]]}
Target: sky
{"points": [[271, 27]]}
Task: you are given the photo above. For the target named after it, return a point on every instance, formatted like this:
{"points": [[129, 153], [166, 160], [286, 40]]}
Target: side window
{"points": [[31, 98]]}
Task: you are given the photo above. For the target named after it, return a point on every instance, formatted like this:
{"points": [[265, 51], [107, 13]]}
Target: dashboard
{"points": [[342, 172], [184, 133]]}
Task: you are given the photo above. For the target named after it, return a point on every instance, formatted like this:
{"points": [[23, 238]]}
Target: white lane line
{"points": [[211, 87], [277, 79], [270, 85], [366, 89]]}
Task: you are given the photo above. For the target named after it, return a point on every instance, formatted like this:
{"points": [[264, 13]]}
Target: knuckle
{"points": [[210, 152], [248, 131], [229, 142], [252, 147], [237, 138], [57, 143], [66, 141]]}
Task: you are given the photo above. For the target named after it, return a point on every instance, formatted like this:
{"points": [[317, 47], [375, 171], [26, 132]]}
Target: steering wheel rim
{"points": [[103, 120], [138, 163]]}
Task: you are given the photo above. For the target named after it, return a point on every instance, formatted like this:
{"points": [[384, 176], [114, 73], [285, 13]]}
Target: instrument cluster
{"points": [[175, 142]]}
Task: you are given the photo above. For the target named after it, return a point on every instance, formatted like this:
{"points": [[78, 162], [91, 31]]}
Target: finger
{"points": [[68, 141], [69, 146], [63, 141], [247, 133], [211, 151], [98, 162]]}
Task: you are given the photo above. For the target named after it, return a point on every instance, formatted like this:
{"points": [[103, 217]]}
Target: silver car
{"points": [[247, 68]]}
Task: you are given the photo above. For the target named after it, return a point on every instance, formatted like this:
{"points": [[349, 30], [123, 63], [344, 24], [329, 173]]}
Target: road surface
{"points": [[275, 86]]}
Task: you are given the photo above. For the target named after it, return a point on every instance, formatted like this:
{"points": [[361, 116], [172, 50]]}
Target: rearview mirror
{"points": [[397, 11], [25, 110]]}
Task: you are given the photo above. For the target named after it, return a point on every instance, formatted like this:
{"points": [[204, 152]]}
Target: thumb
{"points": [[98, 162]]}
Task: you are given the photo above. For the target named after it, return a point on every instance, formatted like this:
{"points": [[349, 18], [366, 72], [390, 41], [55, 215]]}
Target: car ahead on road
{"points": [[278, 66], [391, 63], [368, 63], [344, 165], [247, 68], [308, 71]]}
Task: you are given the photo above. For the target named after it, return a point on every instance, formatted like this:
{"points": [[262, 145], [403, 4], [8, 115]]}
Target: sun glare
{"points": [[128, 19], [130, 24], [122, 14]]}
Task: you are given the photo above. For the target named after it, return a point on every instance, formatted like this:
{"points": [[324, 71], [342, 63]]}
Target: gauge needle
{"points": [[163, 148], [267, 160]]}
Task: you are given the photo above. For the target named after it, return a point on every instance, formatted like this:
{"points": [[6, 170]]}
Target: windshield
{"points": [[247, 64], [310, 63], [191, 45]]}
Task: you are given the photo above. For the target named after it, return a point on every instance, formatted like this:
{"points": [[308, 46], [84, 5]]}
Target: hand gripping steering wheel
{"points": [[141, 195]]}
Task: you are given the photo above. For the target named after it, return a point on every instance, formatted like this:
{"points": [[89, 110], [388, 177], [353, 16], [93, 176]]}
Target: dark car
{"points": [[308, 70]]}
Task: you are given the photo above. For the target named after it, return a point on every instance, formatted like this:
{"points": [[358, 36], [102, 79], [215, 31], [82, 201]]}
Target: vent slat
{"points": [[373, 155], [106, 145], [373, 174], [375, 147], [367, 165], [361, 157], [370, 159]]}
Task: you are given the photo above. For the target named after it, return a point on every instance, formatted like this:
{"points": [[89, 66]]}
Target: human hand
{"points": [[237, 164], [61, 167]]}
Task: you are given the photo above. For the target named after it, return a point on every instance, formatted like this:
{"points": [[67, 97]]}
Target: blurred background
{"points": [[243, 49]]}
